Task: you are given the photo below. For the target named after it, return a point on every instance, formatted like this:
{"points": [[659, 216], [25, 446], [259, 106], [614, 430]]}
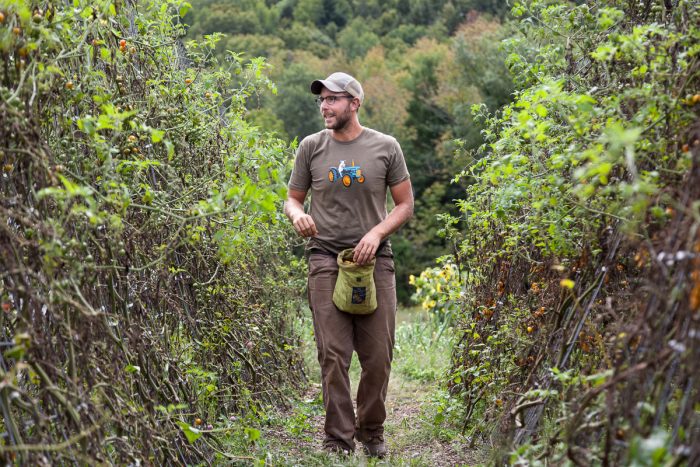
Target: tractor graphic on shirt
{"points": [[346, 173]]}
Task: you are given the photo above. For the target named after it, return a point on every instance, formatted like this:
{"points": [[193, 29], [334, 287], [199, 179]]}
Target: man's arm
{"points": [[294, 209], [402, 194]]}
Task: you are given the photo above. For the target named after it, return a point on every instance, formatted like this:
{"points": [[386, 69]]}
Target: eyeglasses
{"points": [[330, 100]]}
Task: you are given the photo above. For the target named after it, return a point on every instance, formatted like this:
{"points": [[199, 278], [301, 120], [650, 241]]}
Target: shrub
{"points": [[145, 282]]}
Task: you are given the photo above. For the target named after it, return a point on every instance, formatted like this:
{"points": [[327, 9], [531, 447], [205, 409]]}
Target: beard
{"points": [[341, 119]]}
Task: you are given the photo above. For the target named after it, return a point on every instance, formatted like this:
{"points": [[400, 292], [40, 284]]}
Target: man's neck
{"points": [[351, 131]]}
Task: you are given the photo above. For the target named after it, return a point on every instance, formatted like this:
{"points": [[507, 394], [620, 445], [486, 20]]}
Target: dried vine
{"points": [[144, 279]]}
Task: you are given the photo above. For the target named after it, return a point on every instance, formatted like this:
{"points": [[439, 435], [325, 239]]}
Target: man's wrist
{"points": [[377, 233]]}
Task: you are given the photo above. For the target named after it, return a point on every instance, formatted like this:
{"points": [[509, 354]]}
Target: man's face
{"points": [[336, 115]]}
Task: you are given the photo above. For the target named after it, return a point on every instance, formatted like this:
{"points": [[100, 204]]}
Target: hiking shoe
{"points": [[375, 447], [331, 447]]}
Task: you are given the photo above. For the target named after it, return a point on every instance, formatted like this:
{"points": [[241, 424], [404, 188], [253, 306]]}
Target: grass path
{"points": [[294, 437]]}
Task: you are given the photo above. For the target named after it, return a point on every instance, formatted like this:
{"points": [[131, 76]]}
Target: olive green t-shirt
{"points": [[348, 183]]}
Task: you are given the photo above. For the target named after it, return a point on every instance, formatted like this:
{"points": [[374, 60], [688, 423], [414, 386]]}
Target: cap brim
{"points": [[318, 85]]}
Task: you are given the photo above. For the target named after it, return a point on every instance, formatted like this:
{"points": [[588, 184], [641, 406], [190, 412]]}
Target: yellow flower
{"points": [[438, 288], [412, 279], [568, 283]]}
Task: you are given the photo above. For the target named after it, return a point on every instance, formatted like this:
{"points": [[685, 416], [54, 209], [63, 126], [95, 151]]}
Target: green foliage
{"points": [[422, 347], [567, 144], [145, 274], [582, 172], [437, 290], [357, 39], [294, 105]]}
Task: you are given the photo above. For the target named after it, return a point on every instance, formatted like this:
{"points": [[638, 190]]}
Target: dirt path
{"points": [[411, 434]]}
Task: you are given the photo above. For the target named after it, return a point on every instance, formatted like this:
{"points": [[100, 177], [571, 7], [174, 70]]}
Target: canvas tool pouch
{"points": [[355, 291]]}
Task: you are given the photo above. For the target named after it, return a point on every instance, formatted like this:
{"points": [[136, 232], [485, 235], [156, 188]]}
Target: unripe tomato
{"points": [[69, 85]]}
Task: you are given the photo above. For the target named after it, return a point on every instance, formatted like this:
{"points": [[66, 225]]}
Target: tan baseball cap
{"points": [[339, 82]]}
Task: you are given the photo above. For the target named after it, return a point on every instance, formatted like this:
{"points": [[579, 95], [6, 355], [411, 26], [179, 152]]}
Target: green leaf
{"points": [[16, 352], [599, 378], [106, 54], [104, 122], [171, 149], [73, 189], [184, 8], [157, 135], [252, 434], [191, 433]]}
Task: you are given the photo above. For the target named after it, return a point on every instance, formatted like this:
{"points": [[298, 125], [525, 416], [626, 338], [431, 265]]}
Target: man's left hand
{"points": [[367, 248]]}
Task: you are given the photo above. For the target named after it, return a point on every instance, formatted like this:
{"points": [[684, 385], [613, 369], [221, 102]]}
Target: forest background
{"points": [[150, 295], [423, 64]]}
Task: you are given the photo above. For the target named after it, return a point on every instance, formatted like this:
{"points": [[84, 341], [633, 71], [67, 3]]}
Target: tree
{"points": [[357, 39], [294, 104]]}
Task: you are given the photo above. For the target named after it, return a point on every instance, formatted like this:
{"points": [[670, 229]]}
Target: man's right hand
{"points": [[294, 209], [304, 225]]}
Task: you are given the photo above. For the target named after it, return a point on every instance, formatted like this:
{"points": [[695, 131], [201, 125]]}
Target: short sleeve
{"points": [[398, 172], [300, 180]]}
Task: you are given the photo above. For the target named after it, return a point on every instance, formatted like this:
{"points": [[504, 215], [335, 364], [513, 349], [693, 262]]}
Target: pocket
{"points": [[323, 272]]}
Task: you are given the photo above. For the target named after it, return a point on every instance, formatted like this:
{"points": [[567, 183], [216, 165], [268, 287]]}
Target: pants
{"points": [[337, 335]]}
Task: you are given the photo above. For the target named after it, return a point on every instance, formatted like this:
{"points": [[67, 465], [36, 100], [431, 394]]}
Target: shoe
{"points": [[334, 447], [375, 447]]}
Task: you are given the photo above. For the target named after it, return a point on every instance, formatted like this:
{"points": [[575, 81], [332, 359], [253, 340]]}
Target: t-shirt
{"points": [[348, 183]]}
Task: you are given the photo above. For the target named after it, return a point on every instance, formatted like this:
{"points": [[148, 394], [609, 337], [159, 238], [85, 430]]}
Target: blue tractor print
{"points": [[346, 173]]}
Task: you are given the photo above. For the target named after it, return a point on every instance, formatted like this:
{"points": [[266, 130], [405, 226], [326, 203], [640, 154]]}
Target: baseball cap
{"points": [[339, 82]]}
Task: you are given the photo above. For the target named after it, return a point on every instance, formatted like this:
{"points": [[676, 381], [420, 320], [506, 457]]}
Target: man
{"points": [[350, 213]]}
